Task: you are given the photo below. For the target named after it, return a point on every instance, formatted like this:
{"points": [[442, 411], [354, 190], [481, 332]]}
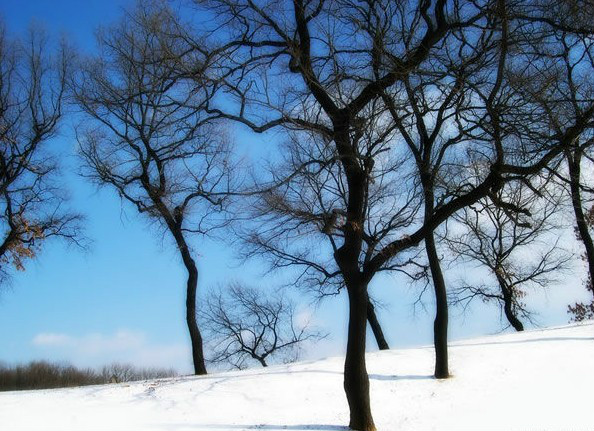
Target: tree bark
{"points": [[440, 324], [508, 306], [376, 327], [195, 336], [191, 287], [511, 317], [174, 224], [356, 380], [574, 162]]}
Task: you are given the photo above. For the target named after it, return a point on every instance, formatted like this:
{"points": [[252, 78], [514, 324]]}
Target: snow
{"points": [[537, 380]]}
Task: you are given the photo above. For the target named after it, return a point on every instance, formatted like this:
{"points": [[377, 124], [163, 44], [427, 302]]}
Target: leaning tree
{"points": [[32, 201], [146, 134]]}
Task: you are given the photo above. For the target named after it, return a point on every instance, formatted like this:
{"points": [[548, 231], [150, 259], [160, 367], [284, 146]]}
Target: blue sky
{"points": [[123, 299]]}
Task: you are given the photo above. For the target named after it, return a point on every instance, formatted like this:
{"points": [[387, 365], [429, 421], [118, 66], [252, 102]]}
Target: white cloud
{"points": [[121, 340], [96, 349], [50, 339]]}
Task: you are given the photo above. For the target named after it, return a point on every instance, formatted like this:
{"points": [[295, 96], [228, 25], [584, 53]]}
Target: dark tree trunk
{"points": [[195, 336], [376, 328], [574, 162], [356, 380], [174, 223], [508, 306], [440, 325], [191, 287], [511, 317]]}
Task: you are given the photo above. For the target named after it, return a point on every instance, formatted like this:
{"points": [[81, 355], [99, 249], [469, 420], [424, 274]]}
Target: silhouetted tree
{"points": [[584, 218], [334, 69], [32, 202], [302, 221], [559, 35], [146, 135], [519, 248]]}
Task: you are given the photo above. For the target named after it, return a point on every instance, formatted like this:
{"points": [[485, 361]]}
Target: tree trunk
{"points": [[440, 325], [356, 380], [574, 162], [508, 306], [376, 328], [511, 317], [174, 223], [195, 336]]}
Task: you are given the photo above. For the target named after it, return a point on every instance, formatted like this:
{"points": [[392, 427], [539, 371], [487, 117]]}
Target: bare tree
{"points": [[246, 324], [428, 107], [584, 218], [564, 91], [324, 68], [582, 196], [32, 202], [302, 221], [118, 373], [519, 251], [147, 136], [122, 372], [473, 96]]}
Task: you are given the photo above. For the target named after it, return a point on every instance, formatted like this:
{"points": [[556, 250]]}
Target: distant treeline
{"points": [[47, 375]]}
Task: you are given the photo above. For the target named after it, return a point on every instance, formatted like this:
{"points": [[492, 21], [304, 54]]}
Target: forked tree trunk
{"points": [[440, 325], [574, 162], [376, 327], [356, 380]]}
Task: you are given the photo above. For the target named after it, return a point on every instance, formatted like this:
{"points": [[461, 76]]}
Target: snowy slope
{"points": [[538, 380]]}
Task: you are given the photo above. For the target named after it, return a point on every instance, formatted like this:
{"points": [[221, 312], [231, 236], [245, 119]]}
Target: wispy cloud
{"points": [[95, 349], [50, 339]]}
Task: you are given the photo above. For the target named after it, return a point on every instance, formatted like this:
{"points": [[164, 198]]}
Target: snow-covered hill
{"points": [[538, 380]]}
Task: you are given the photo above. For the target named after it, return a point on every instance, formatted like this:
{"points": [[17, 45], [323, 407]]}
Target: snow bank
{"points": [[537, 380]]}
